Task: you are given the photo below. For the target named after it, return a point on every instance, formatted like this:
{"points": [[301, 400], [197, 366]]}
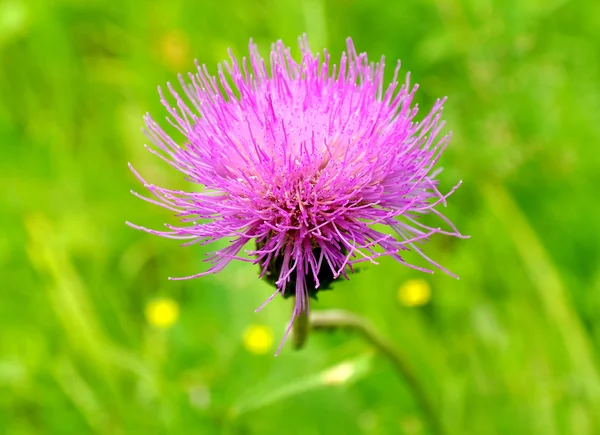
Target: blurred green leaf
{"points": [[344, 373]]}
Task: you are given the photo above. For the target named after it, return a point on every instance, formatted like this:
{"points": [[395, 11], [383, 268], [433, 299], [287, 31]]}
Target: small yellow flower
{"points": [[174, 49], [414, 292], [258, 339], [162, 312]]}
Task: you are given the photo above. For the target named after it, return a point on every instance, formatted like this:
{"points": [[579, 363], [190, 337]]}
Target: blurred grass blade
{"points": [[551, 290], [81, 394], [71, 303], [316, 23], [343, 373]]}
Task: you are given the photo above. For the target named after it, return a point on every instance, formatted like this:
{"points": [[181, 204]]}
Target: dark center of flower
{"points": [[325, 276]]}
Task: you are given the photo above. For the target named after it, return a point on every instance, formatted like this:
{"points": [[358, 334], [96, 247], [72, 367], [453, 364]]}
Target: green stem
{"points": [[300, 330], [333, 319]]}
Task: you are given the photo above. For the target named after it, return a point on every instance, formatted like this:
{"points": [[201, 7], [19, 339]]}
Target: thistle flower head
{"points": [[295, 163]]}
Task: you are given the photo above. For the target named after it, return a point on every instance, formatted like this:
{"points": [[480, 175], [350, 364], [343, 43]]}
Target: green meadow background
{"points": [[513, 347]]}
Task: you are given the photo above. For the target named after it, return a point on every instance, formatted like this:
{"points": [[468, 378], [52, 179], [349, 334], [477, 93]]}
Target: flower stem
{"points": [[300, 330], [333, 319]]}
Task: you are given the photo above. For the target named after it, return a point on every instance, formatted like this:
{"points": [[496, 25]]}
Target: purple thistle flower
{"points": [[302, 159]]}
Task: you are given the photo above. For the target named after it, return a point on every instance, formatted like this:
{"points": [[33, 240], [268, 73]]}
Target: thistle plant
{"points": [[299, 164]]}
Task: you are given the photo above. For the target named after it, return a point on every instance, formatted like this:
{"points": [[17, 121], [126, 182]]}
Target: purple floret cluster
{"points": [[295, 163]]}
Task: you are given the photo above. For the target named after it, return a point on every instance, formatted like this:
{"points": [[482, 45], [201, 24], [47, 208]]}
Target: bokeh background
{"points": [[95, 339]]}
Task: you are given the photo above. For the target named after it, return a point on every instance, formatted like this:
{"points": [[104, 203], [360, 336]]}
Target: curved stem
{"points": [[333, 319]]}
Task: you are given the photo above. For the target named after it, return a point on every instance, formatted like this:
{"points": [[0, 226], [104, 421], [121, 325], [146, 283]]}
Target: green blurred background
{"points": [[512, 347]]}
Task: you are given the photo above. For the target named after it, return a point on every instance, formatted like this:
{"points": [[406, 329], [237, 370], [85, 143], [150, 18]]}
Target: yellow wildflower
{"points": [[162, 312], [258, 339], [414, 292]]}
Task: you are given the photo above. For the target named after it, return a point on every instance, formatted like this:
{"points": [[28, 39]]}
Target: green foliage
{"points": [[512, 347]]}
